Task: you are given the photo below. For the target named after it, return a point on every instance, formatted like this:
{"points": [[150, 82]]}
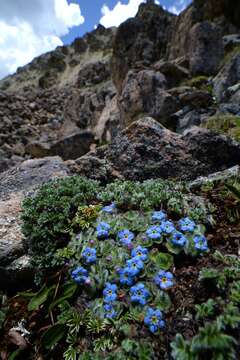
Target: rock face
{"points": [[145, 150], [206, 48], [143, 93], [140, 41], [14, 184], [227, 77]]}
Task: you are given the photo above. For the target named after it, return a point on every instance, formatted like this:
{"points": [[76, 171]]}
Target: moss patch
{"points": [[225, 124]]}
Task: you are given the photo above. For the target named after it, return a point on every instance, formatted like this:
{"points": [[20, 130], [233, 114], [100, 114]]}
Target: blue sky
{"points": [[91, 10], [29, 28]]}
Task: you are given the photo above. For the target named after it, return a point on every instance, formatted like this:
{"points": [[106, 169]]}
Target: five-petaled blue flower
{"points": [[109, 313], [103, 229], [139, 294], [125, 236], [140, 253], [154, 320], [164, 279], [167, 227], [159, 215], [134, 266], [187, 224], [89, 255], [110, 293], [80, 275], [200, 243], [125, 277], [109, 208], [178, 239], [154, 232]]}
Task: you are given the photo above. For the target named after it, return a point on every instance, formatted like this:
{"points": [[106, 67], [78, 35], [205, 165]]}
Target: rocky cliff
{"points": [[180, 70]]}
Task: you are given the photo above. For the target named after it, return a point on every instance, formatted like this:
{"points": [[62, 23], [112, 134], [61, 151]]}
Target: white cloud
{"points": [[120, 12], [179, 6], [29, 28]]}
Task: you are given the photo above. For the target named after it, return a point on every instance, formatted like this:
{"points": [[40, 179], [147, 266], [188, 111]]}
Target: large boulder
{"points": [[146, 150], [227, 77], [206, 48], [143, 94], [15, 269]]}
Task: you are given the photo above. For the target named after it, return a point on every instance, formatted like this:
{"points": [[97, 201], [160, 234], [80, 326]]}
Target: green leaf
{"points": [[173, 249], [66, 292], [162, 260], [40, 297], [162, 300], [53, 335]]}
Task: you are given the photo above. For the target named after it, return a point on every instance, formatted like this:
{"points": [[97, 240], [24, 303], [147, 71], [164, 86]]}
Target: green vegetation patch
{"points": [[225, 124]]}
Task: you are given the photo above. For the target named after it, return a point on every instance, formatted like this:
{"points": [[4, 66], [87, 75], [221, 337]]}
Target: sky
{"points": [[29, 28]]}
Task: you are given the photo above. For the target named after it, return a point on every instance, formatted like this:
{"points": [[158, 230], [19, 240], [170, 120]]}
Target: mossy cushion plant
{"points": [[125, 261]]}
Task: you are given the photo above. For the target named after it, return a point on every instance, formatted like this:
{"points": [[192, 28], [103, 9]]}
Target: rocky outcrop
{"points": [[14, 185], [140, 41], [227, 77], [206, 48], [146, 150], [144, 93]]}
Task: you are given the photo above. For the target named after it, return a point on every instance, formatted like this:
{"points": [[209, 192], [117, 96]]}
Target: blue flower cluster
{"points": [[109, 208], [139, 294], [133, 266], [177, 238], [125, 237], [200, 243], [159, 215], [164, 279], [186, 225], [103, 229], [110, 296], [80, 275], [154, 320], [89, 255]]}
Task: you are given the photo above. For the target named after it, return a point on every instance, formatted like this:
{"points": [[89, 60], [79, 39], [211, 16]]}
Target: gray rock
{"points": [[206, 48], [14, 184], [143, 94], [68, 147], [174, 73], [146, 150], [227, 77], [224, 175]]}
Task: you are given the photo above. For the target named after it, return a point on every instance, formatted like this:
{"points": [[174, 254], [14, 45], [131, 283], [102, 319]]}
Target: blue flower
{"points": [[140, 253], [89, 255], [109, 293], [103, 229], [159, 215], [178, 239], [187, 224], [154, 320], [167, 227], [139, 294], [110, 313], [134, 266], [200, 243], [164, 279], [80, 275], [125, 236], [154, 232], [125, 277], [109, 208]]}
